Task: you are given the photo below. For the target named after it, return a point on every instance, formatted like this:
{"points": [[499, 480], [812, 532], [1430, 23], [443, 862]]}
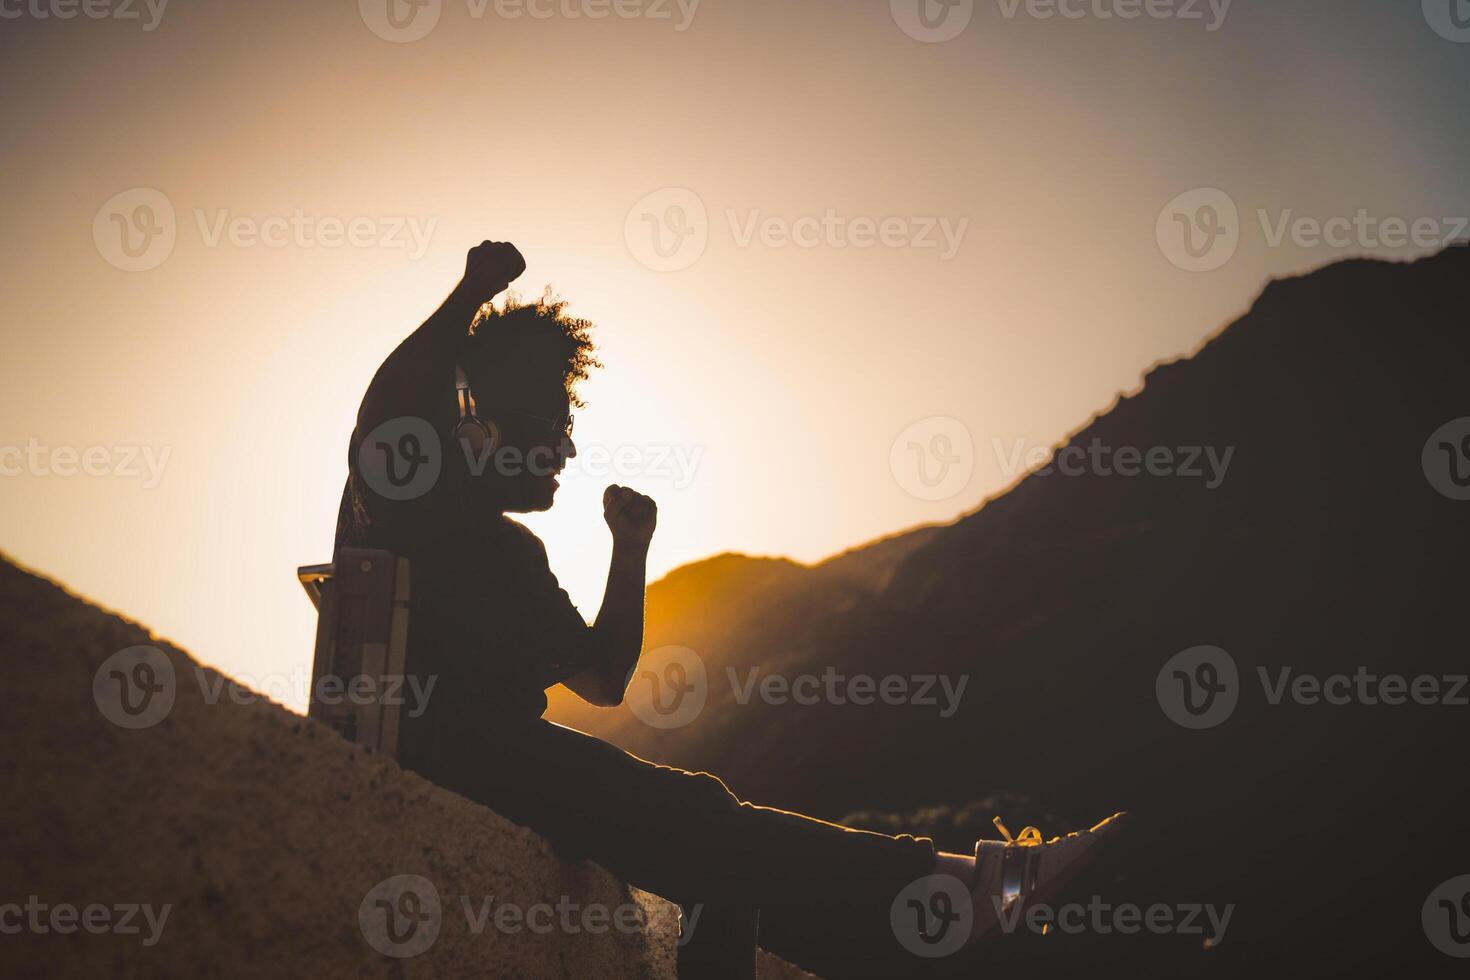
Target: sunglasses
{"points": [[552, 424]]}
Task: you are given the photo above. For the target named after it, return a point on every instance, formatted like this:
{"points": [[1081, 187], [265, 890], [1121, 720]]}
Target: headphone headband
{"points": [[477, 435]]}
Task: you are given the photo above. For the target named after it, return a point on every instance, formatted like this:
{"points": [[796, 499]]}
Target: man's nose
{"points": [[568, 448]]}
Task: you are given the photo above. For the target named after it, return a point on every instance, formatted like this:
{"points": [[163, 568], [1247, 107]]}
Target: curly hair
{"points": [[524, 342]]}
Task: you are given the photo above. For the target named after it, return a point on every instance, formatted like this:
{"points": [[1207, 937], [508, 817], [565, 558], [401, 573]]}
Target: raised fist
{"points": [[489, 268], [630, 516]]}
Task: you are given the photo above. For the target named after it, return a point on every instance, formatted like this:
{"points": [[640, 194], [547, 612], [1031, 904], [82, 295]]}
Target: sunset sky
{"points": [[894, 229]]}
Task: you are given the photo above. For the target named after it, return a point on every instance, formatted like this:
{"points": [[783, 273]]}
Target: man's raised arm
{"points": [[423, 365]]}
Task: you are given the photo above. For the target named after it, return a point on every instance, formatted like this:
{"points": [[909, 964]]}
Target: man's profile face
{"points": [[534, 448]]}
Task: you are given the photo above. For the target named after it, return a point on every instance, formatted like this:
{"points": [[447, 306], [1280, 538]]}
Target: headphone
{"points": [[478, 436]]}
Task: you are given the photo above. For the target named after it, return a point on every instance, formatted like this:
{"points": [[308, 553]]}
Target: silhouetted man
{"points": [[490, 622]]}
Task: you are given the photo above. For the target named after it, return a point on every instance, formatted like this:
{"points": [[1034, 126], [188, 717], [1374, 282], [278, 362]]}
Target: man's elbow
{"points": [[612, 695], [615, 687]]}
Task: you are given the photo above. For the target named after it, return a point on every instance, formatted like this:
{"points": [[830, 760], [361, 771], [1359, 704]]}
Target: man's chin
{"points": [[536, 497]]}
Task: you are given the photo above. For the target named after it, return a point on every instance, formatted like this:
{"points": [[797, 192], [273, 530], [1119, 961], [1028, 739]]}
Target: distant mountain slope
{"points": [[1324, 549]]}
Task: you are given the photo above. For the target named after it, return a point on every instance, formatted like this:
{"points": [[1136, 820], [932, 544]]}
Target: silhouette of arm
{"points": [[422, 367], [616, 639]]}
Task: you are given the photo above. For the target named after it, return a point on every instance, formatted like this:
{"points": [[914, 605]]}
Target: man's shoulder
{"points": [[520, 536]]}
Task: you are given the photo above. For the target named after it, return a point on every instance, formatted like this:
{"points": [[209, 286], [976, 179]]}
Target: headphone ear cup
{"points": [[492, 435], [479, 439]]}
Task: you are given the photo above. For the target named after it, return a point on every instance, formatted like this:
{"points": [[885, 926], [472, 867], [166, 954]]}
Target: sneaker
{"points": [[1014, 874]]}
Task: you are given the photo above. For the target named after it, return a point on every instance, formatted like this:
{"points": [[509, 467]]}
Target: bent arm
{"points": [[616, 638], [424, 362]]}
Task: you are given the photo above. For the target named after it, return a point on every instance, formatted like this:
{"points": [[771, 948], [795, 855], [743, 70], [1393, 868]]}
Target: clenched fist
{"points": [[489, 268], [630, 516]]}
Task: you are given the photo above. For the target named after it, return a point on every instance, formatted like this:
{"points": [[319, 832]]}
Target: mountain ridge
{"points": [[1323, 550]]}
